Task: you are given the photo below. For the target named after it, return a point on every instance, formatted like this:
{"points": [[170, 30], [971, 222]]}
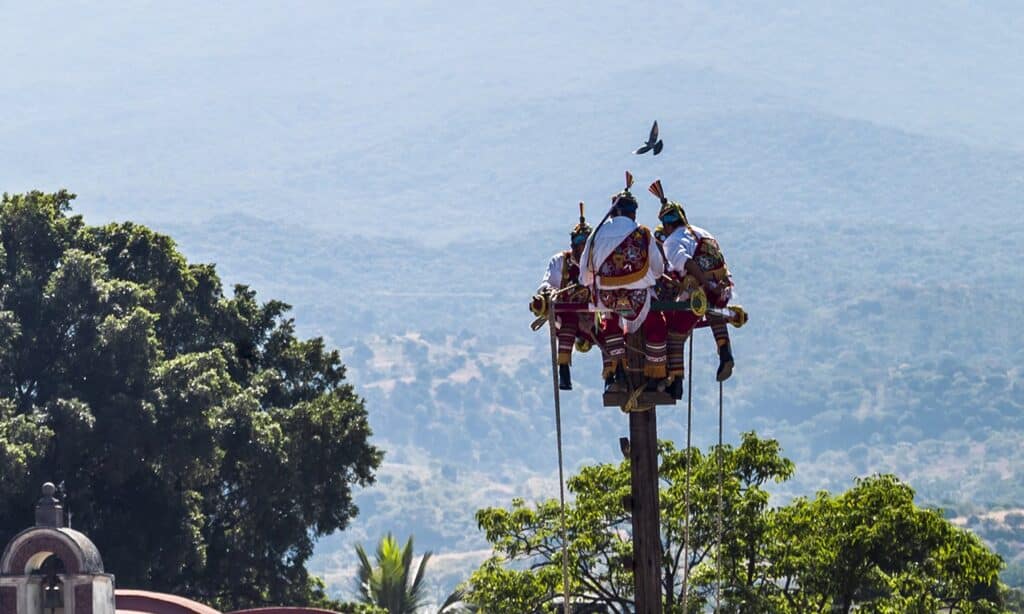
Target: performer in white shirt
{"points": [[621, 264], [563, 273], [693, 251]]}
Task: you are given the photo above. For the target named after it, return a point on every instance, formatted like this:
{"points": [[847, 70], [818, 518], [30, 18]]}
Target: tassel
{"points": [[629, 180]]}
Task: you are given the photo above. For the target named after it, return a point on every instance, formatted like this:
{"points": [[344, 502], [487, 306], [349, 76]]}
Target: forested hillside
{"points": [[882, 337]]}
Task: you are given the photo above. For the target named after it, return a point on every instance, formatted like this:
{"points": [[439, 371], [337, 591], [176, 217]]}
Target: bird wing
{"points": [[654, 133], [657, 147], [642, 150]]}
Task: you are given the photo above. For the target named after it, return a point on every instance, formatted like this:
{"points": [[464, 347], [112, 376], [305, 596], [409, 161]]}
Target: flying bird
{"points": [[653, 142]]}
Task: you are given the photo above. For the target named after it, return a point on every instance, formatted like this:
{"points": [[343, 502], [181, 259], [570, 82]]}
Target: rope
{"points": [[632, 403], [721, 507], [686, 525], [561, 473]]}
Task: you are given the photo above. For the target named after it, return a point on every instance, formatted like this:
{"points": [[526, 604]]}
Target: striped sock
{"points": [[676, 364]]}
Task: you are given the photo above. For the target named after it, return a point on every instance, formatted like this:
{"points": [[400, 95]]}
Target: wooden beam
{"points": [[643, 465]]}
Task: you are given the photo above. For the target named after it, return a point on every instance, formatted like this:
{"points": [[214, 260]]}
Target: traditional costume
{"points": [[561, 284], [621, 264], [690, 243]]}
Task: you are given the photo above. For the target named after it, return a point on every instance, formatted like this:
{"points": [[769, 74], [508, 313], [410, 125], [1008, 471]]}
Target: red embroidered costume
{"points": [[621, 264]]}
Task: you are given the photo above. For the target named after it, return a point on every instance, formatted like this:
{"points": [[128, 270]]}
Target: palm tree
{"points": [[389, 583]]}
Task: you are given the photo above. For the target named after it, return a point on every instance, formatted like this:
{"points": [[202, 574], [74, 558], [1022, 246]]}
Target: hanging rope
{"points": [[686, 491], [561, 473], [721, 507]]}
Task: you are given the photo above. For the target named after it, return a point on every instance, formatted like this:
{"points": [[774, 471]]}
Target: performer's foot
{"points": [[620, 376], [676, 388], [611, 385], [656, 385], [725, 363], [564, 378]]}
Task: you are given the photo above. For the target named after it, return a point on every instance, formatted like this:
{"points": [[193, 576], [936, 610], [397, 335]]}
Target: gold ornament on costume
{"points": [[540, 305], [698, 302], [739, 316]]}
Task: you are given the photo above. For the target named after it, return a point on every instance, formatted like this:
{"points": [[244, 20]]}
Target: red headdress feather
{"points": [[629, 180], [657, 190]]}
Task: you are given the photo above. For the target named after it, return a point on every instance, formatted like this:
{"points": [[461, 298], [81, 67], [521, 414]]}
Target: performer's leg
{"points": [[655, 333], [613, 345], [680, 323], [725, 359], [568, 325], [721, 331], [587, 329]]}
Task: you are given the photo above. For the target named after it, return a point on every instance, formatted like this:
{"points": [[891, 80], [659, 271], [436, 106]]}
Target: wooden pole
{"points": [[643, 465]]}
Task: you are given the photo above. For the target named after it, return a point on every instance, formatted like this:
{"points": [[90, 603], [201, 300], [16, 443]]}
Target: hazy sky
{"points": [[145, 107]]}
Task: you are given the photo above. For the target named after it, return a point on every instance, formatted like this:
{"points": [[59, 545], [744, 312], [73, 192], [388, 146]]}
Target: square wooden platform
{"points": [[646, 399]]}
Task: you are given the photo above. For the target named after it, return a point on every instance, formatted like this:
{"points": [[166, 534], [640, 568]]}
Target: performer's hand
{"points": [[580, 294]]}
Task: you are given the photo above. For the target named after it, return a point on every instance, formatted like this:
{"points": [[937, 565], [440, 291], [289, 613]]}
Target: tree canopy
{"points": [[869, 547], [204, 446]]}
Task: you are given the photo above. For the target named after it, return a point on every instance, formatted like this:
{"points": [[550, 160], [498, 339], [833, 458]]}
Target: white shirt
{"points": [[552, 279], [608, 236], [681, 245]]}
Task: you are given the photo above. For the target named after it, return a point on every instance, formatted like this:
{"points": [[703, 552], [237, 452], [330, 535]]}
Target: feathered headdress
{"points": [[624, 200], [582, 230], [671, 212]]}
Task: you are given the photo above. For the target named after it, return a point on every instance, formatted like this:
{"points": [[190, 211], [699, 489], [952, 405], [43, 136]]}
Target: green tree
{"points": [[389, 582], [525, 573], [873, 548], [870, 547], [1014, 600], [204, 445]]}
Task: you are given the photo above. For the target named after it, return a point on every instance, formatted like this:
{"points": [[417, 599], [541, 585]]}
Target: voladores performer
{"points": [[621, 264], [693, 251], [561, 284]]}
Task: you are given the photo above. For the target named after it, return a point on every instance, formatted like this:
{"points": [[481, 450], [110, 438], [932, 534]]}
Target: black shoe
{"points": [[564, 378], [620, 376], [725, 363], [656, 385], [612, 385], [676, 388]]}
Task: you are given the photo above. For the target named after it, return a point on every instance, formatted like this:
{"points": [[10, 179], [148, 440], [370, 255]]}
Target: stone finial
{"points": [[49, 512]]}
